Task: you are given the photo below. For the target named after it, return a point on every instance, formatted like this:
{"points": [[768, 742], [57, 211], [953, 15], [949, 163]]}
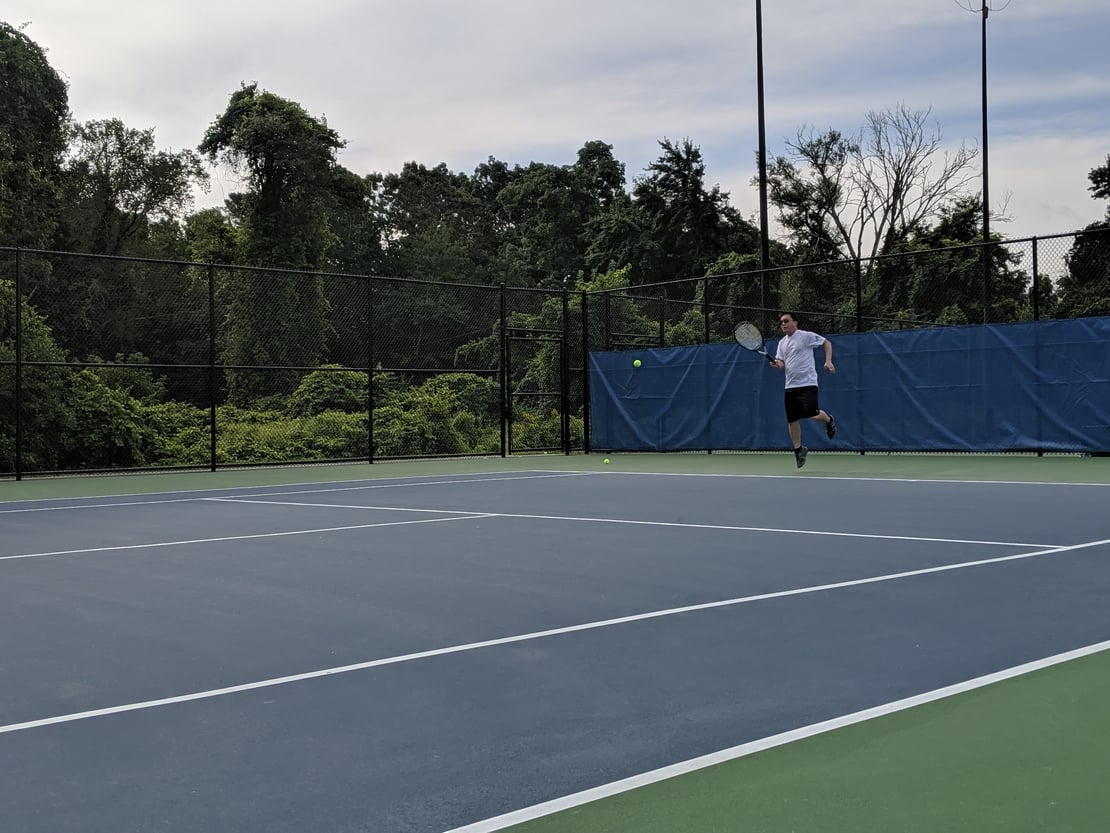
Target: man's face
{"points": [[788, 325]]}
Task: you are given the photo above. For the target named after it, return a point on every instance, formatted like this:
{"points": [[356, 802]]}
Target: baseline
{"points": [[73, 503]]}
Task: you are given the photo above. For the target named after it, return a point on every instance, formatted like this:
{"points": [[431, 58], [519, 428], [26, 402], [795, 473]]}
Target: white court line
{"points": [[813, 475], [201, 494], [508, 640], [548, 808], [541, 474], [229, 538], [258, 502], [677, 524]]}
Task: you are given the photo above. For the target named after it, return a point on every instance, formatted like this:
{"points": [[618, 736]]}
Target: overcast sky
{"points": [[458, 81]]}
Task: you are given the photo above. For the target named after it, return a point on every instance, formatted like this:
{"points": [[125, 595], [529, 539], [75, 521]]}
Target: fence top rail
{"points": [[755, 270], [852, 261], [275, 270]]}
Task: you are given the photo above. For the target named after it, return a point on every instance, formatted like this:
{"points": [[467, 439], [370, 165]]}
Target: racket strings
{"points": [[748, 335]]}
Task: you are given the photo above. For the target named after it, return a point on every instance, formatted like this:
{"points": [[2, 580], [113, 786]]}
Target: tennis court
{"points": [[469, 645]]}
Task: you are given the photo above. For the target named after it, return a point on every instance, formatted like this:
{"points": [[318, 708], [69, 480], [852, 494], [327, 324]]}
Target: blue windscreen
{"points": [[1041, 386]]}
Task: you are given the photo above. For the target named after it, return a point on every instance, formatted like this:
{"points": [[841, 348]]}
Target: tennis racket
{"points": [[749, 337]]}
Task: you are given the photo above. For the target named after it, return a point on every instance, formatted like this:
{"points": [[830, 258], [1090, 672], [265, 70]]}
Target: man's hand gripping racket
{"points": [[749, 337]]}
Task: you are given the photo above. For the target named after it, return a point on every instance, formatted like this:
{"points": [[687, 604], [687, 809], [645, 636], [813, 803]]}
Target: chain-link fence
{"points": [[969, 284], [111, 364]]}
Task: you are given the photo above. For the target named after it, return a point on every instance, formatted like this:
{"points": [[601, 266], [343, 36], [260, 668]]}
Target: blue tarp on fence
{"points": [[1042, 386]]}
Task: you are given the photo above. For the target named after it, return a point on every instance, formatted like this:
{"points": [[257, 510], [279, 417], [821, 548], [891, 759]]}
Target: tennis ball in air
{"points": [[606, 461], [636, 363]]}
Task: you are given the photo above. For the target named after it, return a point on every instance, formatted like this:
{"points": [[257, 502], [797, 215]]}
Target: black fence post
{"points": [[585, 375], [564, 373], [18, 366], [370, 369], [662, 317], [859, 295], [986, 282], [1035, 289], [1036, 286], [705, 309], [211, 367], [503, 356], [607, 329]]}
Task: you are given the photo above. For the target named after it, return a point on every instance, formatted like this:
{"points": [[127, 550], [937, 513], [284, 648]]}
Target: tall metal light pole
{"points": [[984, 10], [764, 234], [986, 167], [986, 181]]}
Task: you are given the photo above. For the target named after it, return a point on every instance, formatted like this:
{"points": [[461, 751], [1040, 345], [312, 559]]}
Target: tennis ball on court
{"points": [[636, 363], [606, 461]]}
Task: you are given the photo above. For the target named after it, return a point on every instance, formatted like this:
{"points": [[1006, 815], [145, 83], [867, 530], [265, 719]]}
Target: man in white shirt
{"points": [[795, 355]]}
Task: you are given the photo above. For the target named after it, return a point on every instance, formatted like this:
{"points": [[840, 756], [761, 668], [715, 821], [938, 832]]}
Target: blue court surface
{"points": [[424, 653]]}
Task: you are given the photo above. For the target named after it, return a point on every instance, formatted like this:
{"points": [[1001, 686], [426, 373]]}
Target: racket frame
{"points": [[755, 331]]}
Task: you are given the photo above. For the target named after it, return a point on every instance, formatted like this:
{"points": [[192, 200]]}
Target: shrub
{"points": [[330, 389], [137, 382], [111, 431], [182, 434], [421, 425], [330, 436], [478, 395]]}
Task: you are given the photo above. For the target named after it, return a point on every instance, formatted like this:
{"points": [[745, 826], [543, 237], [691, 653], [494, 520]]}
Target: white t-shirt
{"points": [[796, 352]]}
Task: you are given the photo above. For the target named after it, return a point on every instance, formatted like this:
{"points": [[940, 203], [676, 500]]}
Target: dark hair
{"points": [[793, 315]]}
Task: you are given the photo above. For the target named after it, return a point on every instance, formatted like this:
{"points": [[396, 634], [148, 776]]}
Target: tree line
{"points": [[105, 188]]}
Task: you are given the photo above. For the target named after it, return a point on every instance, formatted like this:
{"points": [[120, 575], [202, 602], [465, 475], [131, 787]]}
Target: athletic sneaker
{"points": [[800, 455], [830, 427]]}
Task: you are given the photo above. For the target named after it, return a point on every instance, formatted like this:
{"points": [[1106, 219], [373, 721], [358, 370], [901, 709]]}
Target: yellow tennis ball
{"points": [[606, 461], [636, 363]]}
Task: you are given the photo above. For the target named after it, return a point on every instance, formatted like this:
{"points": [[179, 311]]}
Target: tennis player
{"points": [[795, 355]]}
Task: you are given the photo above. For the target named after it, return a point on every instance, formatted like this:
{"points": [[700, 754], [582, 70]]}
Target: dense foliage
{"points": [[137, 297]]}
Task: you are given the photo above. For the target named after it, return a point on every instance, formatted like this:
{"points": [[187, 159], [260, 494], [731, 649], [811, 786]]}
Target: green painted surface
{"points": [[1050, 469], [1027, 755]]}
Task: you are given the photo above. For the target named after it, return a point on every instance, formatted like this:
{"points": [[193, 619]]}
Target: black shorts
{"points": [[801, 403]]}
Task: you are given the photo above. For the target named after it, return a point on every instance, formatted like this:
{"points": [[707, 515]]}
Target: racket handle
{"points": [[770, 358]]}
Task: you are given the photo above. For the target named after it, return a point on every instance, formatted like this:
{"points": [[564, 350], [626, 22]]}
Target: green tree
{"points": [[1100, 181], [547, 209], [671, 227], [356, 251], [355, 224], [117, 183], [945, 282], [47, 415], [432, 222], [212, 237], [736, 293], [617, 236], [287, 160], [121, 196], [438, 228], [688, 225], [34, 108], [1085, 289]]}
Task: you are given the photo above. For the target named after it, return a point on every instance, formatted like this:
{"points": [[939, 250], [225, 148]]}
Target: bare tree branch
{"points": [[859, 196]]}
